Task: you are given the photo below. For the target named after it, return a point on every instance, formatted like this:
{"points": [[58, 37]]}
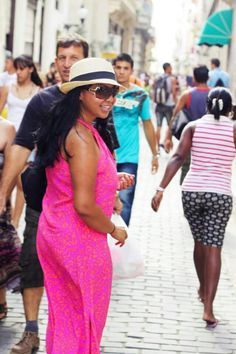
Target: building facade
{"points": [[31, 27], [110, 26], [187, 53], [144, 37]]}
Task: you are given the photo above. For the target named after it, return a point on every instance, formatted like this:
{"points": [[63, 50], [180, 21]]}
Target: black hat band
{"points": [[94, 76]]}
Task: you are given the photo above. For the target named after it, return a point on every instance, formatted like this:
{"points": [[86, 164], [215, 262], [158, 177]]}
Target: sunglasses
{"points": [[103, 92]]}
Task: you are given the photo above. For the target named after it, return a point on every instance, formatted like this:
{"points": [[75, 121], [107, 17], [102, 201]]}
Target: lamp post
{"points": [[83, 14], [78, 27]]}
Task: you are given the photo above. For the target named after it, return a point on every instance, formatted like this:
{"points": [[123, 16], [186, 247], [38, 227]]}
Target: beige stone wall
{"points": [[95, 27], [4, 28]]}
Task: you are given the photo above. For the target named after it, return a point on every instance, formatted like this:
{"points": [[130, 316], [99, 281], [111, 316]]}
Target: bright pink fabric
{"points": [[76, 259]]}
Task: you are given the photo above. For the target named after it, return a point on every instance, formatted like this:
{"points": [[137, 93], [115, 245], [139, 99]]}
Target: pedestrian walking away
{"points": [[165, 97], [193, 104], [9, 241], [206, 190], [77, 207], [70, 48], [131, 104]]}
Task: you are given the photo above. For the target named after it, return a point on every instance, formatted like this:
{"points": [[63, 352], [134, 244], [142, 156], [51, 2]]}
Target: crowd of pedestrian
{"points": [[70, 144]]}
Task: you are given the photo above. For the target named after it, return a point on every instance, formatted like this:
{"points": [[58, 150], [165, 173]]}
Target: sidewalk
{"points": [[159, 312]]}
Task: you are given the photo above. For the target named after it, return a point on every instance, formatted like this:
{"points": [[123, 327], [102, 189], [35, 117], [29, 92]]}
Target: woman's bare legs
{"points": [[207, 262], [211, 280], [199, 262]]}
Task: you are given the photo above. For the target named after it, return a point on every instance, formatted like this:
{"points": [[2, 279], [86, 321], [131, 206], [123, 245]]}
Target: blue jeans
{"points": [[127, 195]]}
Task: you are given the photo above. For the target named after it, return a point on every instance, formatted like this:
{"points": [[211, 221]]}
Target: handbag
{"points": [[127, 261], [181, 120]]}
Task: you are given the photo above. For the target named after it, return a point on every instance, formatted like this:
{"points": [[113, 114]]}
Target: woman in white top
{"points": [[17, 97], [206, 190]]}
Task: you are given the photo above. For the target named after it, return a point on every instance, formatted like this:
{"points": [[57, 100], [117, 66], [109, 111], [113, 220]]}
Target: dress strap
{"points": [[96, 134], [92, 129], [88, 125]]}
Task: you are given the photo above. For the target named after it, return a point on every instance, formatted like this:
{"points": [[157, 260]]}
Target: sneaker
{"points": [[28, 343]]}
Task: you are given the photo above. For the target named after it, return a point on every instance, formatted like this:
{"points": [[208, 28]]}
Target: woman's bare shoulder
{"points": [[81, 132], [80, 138]]}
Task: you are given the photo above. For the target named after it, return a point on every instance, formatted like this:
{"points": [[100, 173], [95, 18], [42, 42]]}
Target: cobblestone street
{"points": [[158, 312]]}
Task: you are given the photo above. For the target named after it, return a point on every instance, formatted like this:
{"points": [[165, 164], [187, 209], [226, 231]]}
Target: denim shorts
{"points": [[32, 274]]}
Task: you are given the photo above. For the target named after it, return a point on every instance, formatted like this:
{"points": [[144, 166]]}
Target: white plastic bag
{"points": [[127, 260]]}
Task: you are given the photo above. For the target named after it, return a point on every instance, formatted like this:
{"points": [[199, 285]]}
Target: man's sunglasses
{"points": [[103, 92]]}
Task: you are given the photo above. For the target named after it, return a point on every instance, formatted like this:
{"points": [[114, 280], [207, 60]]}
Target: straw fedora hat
{"points": [[90, 71]]}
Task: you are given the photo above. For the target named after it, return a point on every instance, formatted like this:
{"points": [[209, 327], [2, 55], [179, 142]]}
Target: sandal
{"points": [[3, 311]]}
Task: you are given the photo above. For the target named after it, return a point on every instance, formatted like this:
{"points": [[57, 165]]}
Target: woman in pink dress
{"points": [[72, 233]]}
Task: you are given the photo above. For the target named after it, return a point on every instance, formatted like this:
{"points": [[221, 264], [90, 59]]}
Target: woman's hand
{"points": [[126, 180], [156, 200], [119, 234]]}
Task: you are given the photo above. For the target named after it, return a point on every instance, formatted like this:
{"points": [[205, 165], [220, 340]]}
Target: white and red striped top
{"points": [[212, 154]]}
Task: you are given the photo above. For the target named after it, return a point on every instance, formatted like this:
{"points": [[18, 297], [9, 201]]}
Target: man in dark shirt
{"points": [[70, 49]]}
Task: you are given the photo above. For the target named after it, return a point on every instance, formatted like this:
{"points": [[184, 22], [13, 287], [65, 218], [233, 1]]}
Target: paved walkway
{"points": [[158, 312]]}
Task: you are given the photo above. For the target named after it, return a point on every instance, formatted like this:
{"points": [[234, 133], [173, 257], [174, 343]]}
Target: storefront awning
{"points": [[217, 29]]}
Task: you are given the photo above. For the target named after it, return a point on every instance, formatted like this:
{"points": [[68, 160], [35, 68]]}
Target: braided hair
{"points": [[219, 102]]}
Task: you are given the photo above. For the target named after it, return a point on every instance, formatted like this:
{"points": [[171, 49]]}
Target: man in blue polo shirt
{"points": [[217, 76], [132, 103]]}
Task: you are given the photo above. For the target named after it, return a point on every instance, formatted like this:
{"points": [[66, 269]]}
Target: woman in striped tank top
{"points": [[206, 190]]}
